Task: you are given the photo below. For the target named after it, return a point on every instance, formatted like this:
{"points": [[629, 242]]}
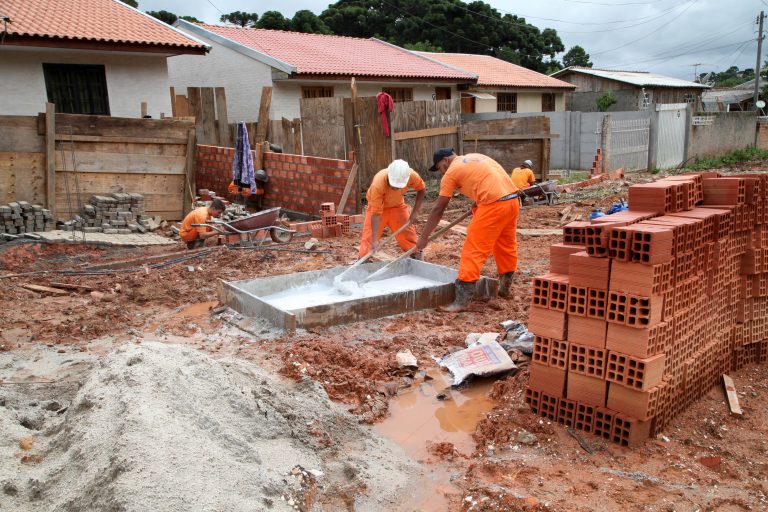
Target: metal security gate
{"points": [[671, 135], [629, 144]]}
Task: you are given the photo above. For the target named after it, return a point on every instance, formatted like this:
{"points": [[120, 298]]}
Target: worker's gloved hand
{"points": [[375, 246]]}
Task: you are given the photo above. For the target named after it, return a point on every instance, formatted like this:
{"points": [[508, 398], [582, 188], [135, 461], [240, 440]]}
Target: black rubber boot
{"points": [[505, 283], [465, 290]]}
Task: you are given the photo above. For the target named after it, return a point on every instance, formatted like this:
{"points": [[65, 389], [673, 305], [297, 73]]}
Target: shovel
{"points": [[337, 280], [437, 234]]}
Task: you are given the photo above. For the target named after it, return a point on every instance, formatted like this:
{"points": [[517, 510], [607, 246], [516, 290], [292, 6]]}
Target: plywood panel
{"points": [[22, 177], [121, 126], [207, 102], [20, 133], [426, 115], [124, 147], [323, 132], [121, 163], [511, 153], [375, 152]]}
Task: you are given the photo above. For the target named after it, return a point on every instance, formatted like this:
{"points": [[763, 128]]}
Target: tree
{"points": [[576, 56], [243, 19], [605, 101], [273, 20], [132, 3], [452, 25], [422, 46], [164, 16], [190, 19], [552, 66], [309, 22]]}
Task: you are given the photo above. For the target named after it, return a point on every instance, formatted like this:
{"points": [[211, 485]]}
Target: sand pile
{"points": [[166, 428]]}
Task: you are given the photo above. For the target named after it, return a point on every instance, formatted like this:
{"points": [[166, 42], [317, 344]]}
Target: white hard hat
{"points": [[528, 164], [398, 173]]}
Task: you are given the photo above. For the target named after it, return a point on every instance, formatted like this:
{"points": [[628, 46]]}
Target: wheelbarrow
{"points": [[254, 225], [540, 193]]}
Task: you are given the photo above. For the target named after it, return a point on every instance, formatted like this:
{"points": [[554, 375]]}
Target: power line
{"points": [[649, 34], [684, 54], [613, 4], [220, 11]]}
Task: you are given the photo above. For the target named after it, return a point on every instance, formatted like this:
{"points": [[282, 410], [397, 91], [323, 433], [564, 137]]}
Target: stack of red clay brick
{"points": [[645, 309], [330, 224]]}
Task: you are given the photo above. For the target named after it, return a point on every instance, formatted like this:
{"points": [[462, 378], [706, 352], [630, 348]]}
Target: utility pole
{"points": [[759, 53], [695, 69]]}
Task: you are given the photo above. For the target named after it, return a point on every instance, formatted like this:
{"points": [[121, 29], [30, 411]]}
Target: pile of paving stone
{"points": [[20, 217], [118, 213]]}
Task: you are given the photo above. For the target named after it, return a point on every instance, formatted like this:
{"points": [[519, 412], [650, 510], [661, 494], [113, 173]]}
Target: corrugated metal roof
{"points": [[637, 78]]}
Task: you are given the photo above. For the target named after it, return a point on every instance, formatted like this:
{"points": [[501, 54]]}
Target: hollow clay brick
{"points": [[587, 331], [547, 379], [547, 322], [587, 390]]}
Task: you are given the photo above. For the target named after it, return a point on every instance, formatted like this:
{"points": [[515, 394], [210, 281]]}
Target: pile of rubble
{"points": [[644, 310], [20, 217]]}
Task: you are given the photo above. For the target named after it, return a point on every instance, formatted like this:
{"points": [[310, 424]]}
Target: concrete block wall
{"points": [[729, 131], [762, 135], [644, 310], [297, 183]]}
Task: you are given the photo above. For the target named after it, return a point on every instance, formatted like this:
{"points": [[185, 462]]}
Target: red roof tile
{"points": [[107, 21], [496, 72], [338, 55]]}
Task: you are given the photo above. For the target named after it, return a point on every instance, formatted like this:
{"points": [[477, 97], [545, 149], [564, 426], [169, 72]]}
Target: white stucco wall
{"points": [[482, 106], [131, 79], [528, 102], [241, 76]]}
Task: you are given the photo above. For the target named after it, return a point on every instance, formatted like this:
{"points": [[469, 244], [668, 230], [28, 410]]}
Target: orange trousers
{"points": [[392, 218], [493, 230]]}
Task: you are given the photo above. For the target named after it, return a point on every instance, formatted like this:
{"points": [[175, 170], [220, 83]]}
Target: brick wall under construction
{"points": [[298, 183], [644, 310]]}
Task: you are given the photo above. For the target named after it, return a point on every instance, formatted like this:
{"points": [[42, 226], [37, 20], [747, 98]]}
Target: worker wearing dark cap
{"points": [[523, 176], [494, 224]]}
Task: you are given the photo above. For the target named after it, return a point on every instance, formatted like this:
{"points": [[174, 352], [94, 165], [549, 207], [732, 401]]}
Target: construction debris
{"points": [[406, 359], [118, 213], [731, 396], [482, 358]]}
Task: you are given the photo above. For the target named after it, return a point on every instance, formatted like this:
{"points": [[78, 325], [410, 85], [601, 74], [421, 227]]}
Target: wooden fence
{"points": [[45, 160]]}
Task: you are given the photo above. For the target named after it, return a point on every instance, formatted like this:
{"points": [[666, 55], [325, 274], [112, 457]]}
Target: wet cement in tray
{"points": [[315, 294]]}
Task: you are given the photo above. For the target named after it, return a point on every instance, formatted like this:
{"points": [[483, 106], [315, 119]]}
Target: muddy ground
{"points": [[466, 448]]}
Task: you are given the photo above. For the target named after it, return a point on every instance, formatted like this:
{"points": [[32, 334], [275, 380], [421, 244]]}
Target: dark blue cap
{"points": [[439, 155]]}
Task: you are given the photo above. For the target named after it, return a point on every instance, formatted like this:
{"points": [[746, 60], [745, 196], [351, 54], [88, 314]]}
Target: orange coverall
{"points": [[389, 203], [196, 216], [523, 177], [494, 224]]}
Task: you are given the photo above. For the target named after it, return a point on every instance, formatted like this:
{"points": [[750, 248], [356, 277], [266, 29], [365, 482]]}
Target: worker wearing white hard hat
{"points": [[523, 176], [387, 208]]}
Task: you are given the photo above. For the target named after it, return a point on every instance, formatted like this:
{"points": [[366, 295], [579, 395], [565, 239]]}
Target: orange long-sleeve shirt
{"points": [[380, 195], [478, 177], [522, 177], [196, 216]]}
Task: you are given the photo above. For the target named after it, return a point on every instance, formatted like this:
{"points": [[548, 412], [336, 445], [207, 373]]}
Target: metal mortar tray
{"points": [[245, 296]]}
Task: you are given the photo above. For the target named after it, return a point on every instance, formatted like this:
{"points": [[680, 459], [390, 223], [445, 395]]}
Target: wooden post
{"points": [[653, 139], [195, 110], [356, 144], [262, 130], [221, 115], [173, 102], [258, 160], [605, 143], [144, 109], [297, 141], [189, 191], [50, 157], [347, 188]]}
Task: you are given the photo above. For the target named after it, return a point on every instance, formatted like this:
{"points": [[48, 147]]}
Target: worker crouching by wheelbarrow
{"points": [[195, 236]]}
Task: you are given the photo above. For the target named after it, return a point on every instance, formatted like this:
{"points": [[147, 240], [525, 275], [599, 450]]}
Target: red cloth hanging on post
{"points": [[384, 103]]}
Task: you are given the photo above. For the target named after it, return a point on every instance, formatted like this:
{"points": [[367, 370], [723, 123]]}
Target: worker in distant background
{"points": [[257, 198], [387, 208], [494, 223], [523, 176], [196, 236]]}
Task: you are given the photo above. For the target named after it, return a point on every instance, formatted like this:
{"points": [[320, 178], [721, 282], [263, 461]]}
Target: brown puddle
{"points": [[417, 418], [199, 309]]}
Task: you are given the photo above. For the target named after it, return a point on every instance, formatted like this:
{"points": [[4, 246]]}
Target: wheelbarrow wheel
{"points": [[280, 236]]}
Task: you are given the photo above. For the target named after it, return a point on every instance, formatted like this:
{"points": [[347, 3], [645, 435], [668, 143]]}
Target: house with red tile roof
{"points": [[298, 65], [98, 57], [504, 87]]}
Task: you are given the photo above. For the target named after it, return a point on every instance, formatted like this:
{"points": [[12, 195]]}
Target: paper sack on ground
{"points": [[482, 358]]}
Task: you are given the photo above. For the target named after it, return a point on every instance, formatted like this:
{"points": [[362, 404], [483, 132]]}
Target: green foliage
{"points": [[243, 19], [164, 16], [452, 25], [422, 46], [190, 19], [577, 56], [132, 3], [735, 157], [573, 177], [273, 20], [309, 22], [731, 77], [605, 101], [552, 66]]}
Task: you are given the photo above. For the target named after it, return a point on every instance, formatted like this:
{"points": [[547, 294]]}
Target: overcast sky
{"points": [[661, 36]]}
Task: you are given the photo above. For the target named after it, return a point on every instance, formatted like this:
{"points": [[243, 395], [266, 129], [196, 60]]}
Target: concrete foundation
{"points": [[432, 286]]}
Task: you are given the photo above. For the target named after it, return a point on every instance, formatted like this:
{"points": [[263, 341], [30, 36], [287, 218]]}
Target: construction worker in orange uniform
{"points": [[494, 223], [261, 179], [523, 176], [386, 207], [196, 236]]}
